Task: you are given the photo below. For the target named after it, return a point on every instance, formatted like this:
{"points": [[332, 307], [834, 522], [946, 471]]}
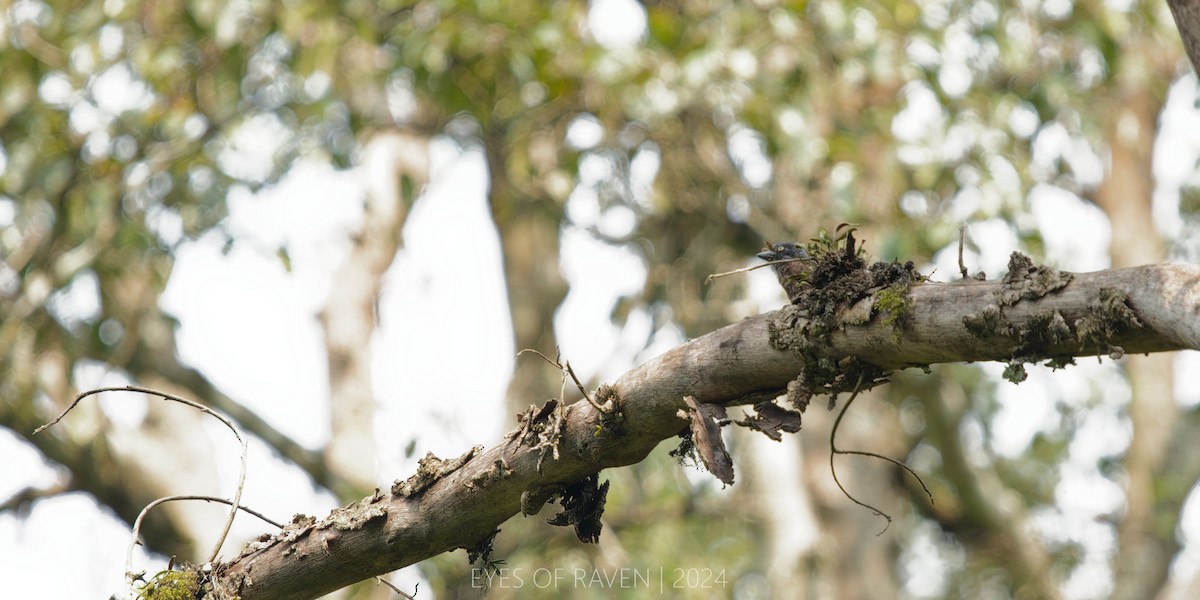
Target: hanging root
{"points": [[834, 450]]}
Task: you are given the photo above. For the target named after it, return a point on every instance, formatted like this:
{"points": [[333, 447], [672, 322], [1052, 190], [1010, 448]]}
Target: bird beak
{"points": [[768, 255]]}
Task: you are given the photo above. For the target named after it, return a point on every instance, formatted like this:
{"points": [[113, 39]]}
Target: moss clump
{"points": [[893, 301], [839, 277], [171, 585], [1040, 332]]}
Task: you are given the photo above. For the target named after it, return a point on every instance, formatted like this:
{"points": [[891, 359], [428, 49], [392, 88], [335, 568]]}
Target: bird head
{"points": [[783, 251]]}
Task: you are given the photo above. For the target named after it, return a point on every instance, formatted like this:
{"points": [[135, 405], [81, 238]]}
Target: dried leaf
{"points": [[770, 419], [706, 433]]}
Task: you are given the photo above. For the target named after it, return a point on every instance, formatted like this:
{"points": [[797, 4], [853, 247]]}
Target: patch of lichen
{"points": [[823, 375], [1060, 362], [429, 470], [1015, 372], [1040, 332], [1026, 281], [480, 553], [1034, 338], [988, 322], [171, 585], [1106, 317]]}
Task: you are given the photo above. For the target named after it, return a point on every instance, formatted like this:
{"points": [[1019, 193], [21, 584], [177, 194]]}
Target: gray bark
{"points": [[1187, 21]]}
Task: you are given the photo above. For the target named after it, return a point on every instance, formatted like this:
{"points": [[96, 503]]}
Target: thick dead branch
{"points": [[735, 364]]}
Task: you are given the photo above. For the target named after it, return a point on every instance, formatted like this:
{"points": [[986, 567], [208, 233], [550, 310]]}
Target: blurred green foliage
{"points": [[125, 124]]}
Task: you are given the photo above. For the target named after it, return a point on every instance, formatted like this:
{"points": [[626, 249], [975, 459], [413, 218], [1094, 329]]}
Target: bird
{"points": [[793, 275]]}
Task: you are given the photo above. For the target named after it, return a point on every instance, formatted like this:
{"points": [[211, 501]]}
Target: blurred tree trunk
{"points": [[987, 516], [1146, 534], [528, 229], [397, 169], [777, 489], [857, 560]]}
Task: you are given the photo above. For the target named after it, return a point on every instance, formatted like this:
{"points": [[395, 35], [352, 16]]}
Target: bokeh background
{"points": [[338, 222]]}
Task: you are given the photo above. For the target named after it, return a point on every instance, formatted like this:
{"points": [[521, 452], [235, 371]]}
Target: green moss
{"points": [[171, 585], [893, 302]]}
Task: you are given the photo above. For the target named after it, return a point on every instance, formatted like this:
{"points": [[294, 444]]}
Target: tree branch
{"points": [[1187, 21], [461, 503], [1162, 297]]}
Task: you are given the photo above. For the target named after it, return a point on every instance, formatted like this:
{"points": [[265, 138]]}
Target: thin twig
{"points": [[237, 496], [833, 451], [544, 357], [571, 372], [708, 280], [397, 590], [137, 523], [565, 367], [555, 426], [962, 236]]}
